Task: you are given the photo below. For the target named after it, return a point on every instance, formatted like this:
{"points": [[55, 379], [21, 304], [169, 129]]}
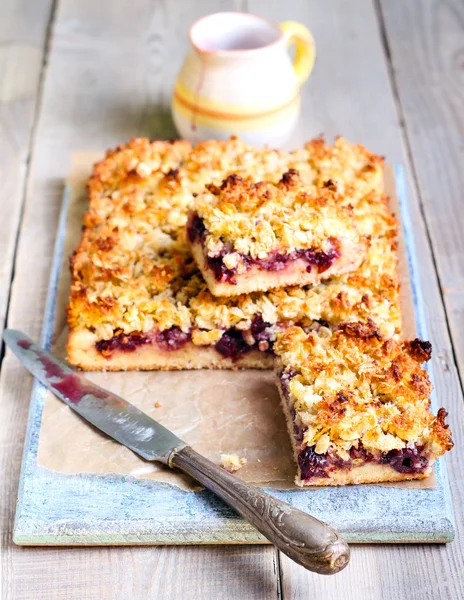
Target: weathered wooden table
{"points": [[88, 74]]}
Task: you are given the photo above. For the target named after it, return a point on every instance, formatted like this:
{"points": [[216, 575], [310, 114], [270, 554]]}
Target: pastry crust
{"points": [[249, 236], [133, 270], [358, 406]]}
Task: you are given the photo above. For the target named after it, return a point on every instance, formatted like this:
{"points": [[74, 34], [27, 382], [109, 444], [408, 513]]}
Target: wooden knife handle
{"points": [[306, 540]]}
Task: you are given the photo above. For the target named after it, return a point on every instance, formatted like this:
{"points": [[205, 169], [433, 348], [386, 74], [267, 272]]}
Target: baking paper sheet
{"points": [[217, 412]]}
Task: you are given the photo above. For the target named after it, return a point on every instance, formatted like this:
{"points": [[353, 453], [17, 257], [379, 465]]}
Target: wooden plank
{"points": [[23, 31], [425, 40], [426, 53], [197, 573], [350, 93], [454, 298], [109, 76]]}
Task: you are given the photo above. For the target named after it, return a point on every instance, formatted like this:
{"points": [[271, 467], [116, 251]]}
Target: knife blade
{"points": [[305, 539], [108, 412]]}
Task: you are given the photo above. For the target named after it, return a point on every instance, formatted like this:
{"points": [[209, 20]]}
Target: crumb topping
{"points": [[232, 462], [256, 219], [133, 270], [352, 388]]}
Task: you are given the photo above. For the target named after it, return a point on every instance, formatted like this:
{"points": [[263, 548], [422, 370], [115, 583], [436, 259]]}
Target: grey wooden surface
{"points": [[88, 74]]}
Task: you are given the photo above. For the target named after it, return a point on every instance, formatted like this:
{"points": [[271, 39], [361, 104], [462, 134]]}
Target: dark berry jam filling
{"points": [[126, 343], [274, 262], [407, 460], [323, 260], [233, 344], [220, 271], [171, 339], [196, 229], [285, 377], [196, 232], [312, 464], [297, 430], [259, 329]]}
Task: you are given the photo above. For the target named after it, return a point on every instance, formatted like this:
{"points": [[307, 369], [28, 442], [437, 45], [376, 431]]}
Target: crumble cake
{"points": [[138, 300], [357, 406], [247, 237]]}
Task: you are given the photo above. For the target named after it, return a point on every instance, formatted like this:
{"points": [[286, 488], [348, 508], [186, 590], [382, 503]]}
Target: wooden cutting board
{"points": [[73, 507]]}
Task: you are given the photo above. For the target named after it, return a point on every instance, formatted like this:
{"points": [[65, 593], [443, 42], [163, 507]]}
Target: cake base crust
{"points": [[83, 353]]}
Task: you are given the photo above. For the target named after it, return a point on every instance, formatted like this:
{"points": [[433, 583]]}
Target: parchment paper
{"points": [[217, 412]]}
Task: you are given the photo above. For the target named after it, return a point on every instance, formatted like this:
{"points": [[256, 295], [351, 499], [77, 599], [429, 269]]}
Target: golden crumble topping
{"points": [[257, 219], [348, 165], [232, 462], [352, 387], [133, 270]]}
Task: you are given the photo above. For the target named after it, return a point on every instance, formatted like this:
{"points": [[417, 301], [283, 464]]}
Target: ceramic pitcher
{"points": [[239, 79]]}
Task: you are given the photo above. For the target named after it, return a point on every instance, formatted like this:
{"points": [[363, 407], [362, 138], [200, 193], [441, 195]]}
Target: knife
{"points": [[306, 540]]}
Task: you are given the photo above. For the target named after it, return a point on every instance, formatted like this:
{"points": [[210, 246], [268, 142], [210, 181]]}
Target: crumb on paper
{"points": [[232, 462], [158, 405], [276, 468]]}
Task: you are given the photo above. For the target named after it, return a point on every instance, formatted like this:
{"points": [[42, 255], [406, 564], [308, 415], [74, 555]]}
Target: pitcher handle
{"points": [[305, 48]]}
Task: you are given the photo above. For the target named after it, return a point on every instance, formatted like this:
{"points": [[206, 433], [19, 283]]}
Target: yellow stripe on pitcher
{"points": [[211, 103], [227, 116]]}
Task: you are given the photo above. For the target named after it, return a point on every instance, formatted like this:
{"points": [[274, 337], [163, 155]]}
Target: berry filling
{"points": [[171, 339], [220, 271], [233, 344], [407, 460], [126, 343], [276, 261], [196, 230], [312, 464], [285, 377]]}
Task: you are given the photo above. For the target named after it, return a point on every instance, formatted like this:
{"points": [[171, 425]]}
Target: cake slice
{"points": [[357, 406], [248, 237]]}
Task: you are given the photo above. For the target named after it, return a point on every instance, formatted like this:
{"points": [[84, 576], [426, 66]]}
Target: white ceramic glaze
{"points": [[238, 79]]}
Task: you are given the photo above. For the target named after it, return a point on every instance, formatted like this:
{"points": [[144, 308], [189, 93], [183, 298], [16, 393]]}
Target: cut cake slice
{"points": [[358, 406], [248, 237]]}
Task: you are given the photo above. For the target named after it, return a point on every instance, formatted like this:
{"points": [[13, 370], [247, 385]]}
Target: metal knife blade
{"points": [[108, 412]]}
